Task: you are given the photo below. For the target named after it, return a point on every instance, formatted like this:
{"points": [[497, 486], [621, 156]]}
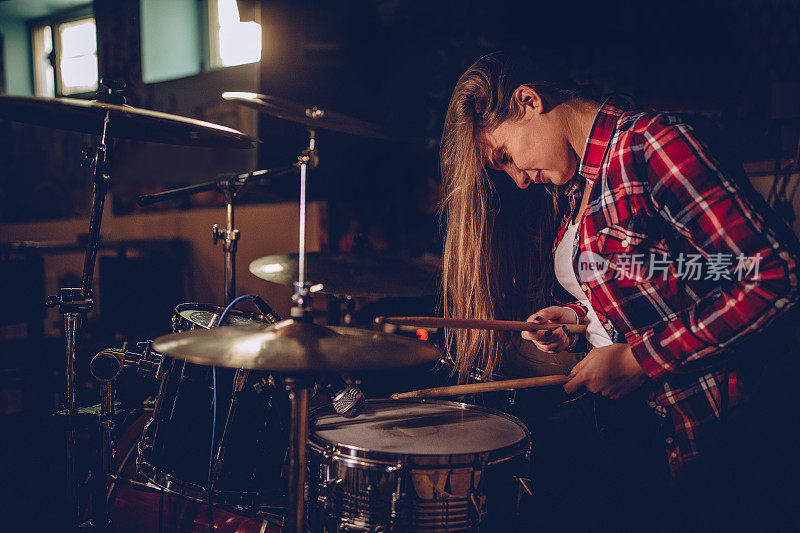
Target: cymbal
{"points": [[126, 122], [296, 347], [308, 115], [370, 276]]}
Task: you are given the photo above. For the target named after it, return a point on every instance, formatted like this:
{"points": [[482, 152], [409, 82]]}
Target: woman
{"points": [[670, 262]]}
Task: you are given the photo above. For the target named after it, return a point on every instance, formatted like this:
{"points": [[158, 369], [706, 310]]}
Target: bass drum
{"points": [[137, 507], [174, 451], [416, 465]]}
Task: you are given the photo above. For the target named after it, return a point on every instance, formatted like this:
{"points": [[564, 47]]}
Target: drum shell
{"points": [[173, 452]]}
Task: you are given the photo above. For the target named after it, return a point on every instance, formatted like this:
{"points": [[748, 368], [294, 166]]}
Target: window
{"points": [[232, 42], [65, 57]]}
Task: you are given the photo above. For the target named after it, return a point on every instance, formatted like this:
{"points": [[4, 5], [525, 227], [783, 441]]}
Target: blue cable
{"points": [[214, 389]]}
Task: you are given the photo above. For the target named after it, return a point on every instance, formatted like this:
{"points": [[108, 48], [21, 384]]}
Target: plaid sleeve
{"points": [[710, 211], [579, 309], [581, 343]]}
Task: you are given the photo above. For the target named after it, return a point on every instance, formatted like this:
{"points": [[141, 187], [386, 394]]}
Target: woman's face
{"points": [[532, 148]]}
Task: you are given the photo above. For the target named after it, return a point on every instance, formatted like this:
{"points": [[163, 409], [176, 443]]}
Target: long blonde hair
{"points": [[497, 256]]}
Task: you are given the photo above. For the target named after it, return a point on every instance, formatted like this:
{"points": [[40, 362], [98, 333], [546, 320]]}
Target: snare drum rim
{"points": [[181, 323], [363, 458]]}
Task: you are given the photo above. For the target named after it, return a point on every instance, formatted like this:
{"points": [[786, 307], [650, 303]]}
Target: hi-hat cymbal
{"points": [[296, 347], [126, 122], [308, 115], [366, 276]]}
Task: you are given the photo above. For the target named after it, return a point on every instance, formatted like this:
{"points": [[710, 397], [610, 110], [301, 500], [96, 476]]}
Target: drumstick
{"points": [[524, 383], [470, 323]]}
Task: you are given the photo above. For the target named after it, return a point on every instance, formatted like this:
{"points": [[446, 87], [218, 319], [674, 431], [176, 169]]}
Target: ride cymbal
{"points": [[126, 122]]}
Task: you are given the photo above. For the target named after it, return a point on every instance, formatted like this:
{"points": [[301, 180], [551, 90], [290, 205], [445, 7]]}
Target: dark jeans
{"points": [[597, 464], [749, 479]]}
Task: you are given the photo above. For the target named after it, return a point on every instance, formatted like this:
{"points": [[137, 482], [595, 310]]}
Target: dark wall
{"points": [[395, 62]]}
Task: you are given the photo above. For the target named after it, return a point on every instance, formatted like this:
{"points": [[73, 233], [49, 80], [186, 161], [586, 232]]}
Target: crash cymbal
{"points": [[295, 347], [370, 276], [126, 122], [308, 115]]}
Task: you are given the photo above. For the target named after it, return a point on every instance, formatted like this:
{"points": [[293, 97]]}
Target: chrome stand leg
{"points": [[298, 434]]}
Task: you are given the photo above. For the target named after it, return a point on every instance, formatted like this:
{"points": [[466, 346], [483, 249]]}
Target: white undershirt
{"points": [[595, 333]]}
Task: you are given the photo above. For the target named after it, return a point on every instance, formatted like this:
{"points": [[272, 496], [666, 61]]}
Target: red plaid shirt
{"points": [[659, 195]]}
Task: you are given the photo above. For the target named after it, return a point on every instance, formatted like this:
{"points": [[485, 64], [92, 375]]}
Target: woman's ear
{"points": [[527, 97]]}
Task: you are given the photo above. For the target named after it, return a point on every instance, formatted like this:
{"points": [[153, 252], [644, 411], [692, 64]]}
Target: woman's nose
{"points": [[521, 178]]}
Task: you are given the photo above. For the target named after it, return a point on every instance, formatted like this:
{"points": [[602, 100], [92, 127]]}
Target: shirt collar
{"points": [[605, 122]]}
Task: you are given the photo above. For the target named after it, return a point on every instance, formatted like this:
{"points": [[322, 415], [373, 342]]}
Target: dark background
{"points": [[394, 62]]}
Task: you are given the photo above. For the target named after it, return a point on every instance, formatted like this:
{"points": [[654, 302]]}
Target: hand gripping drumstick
{"points": [[524, 383], [468, 323]]}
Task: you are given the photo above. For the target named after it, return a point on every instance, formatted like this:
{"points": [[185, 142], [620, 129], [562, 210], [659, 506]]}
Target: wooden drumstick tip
{"points": [[380, 320], [395, 396]]}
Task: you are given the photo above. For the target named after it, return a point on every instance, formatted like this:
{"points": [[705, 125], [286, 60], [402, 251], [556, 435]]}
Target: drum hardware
{"points": [[230, 185], [110, 119], [298, 349], [447, 363], [524, 489], [105, 367], [142, 359], [489, 386], [512, 397], [74, 304], [173, 452]]}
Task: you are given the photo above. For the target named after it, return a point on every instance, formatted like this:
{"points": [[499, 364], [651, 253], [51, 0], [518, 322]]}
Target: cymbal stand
{"points": [[298, 386], [75, 303]]}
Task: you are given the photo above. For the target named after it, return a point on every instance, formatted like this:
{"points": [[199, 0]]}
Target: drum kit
{"points": [[402, 465]]}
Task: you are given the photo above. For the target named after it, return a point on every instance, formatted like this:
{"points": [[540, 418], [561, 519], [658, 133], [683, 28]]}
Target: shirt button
{"points": [[625, 242], [584, 286], [652, 405], [669, 440]]}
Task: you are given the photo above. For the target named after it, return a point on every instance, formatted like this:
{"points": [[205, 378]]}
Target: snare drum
{"points": [[175, 445], [415, 465]]}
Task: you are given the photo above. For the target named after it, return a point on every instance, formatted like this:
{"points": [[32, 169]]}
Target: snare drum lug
{"points": [[326, 493], [512, 397], [396, 506], [329, 482]]}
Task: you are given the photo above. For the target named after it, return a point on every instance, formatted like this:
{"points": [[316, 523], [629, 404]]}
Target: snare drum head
{"points": [[422, 428], [207, 316]]}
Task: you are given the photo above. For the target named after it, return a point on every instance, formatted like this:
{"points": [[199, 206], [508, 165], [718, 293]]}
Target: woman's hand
{"points": [[555, 340], [609, 370]]}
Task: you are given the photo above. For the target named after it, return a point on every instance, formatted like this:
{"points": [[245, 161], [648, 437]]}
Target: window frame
{"points": [[54, 20]]}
